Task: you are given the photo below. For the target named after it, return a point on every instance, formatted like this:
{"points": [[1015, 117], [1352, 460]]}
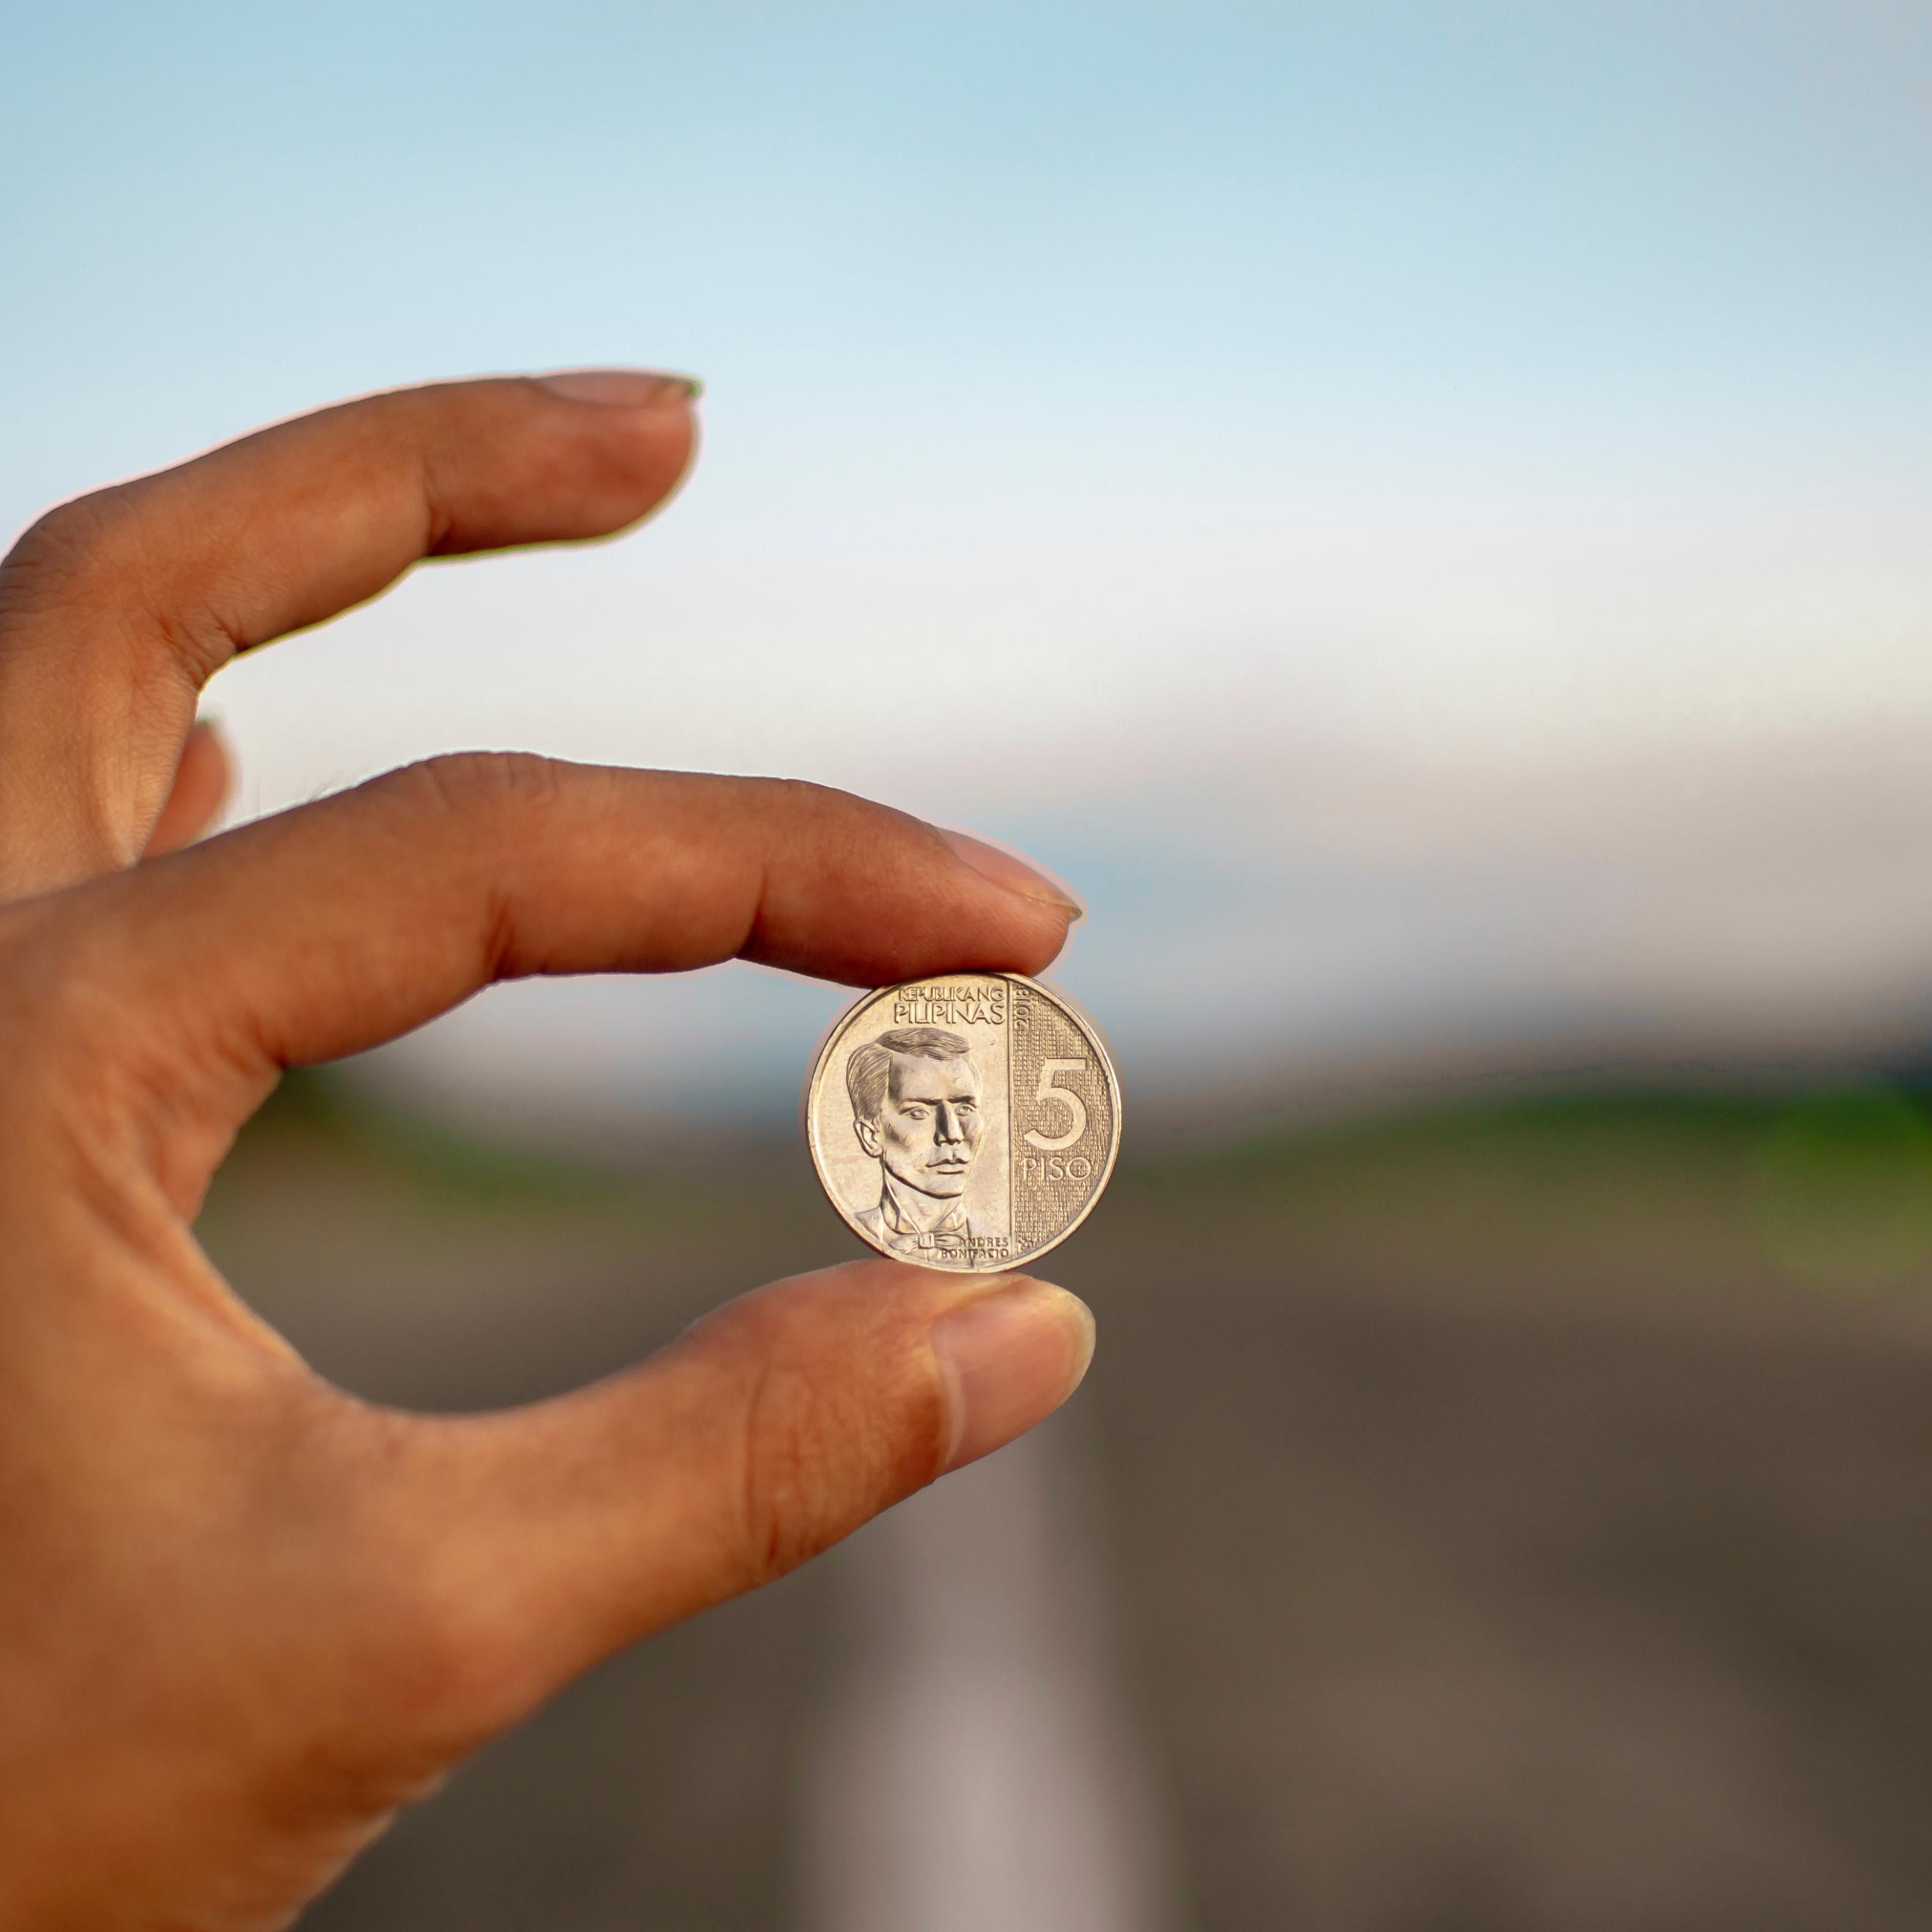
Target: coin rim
{"points": [[1073, 1010]]}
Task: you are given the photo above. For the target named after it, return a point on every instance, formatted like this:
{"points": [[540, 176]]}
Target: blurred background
{"points": [[1435, 503]]}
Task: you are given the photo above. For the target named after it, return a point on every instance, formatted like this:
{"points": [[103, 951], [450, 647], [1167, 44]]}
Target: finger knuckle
{"points": [[802, 795], [77, 551], [781, 1511], [466, 785], [73, 1049], [100, 559], [810, 1472], [841, 818]]}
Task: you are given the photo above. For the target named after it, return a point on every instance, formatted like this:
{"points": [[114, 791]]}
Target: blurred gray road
{"points": [[974, 1761]]}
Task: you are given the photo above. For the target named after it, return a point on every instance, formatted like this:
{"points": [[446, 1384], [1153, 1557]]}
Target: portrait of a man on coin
{"points": [[917, 1110]]}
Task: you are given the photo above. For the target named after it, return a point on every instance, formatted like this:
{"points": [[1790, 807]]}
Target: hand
{"points": [[243, 1616]]}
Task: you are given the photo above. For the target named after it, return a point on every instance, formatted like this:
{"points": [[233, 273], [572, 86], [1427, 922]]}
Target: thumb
{"points": [[558, 1533]]}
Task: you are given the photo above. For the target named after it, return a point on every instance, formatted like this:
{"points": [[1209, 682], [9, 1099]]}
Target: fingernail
{"points": [[633, 389], [1007, 1361], [1016, 875]]}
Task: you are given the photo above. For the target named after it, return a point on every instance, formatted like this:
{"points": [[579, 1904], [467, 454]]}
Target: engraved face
{"points": [[929, 1122]]}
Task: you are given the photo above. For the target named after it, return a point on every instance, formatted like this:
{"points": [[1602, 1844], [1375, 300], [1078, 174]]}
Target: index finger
{"points": [[342, 924], [116, 608]]}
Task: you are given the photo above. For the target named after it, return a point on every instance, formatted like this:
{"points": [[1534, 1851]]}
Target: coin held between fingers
{"points": [[968, 1122]]}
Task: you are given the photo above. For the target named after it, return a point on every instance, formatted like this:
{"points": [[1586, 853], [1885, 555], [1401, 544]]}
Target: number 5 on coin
{"points": [[1076, 1108]]}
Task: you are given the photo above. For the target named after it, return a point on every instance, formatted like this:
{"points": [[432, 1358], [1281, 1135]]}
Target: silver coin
{"points": [[969, 1121]]}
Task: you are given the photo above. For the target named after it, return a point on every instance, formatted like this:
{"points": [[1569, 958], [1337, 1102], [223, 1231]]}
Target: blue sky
{"points": [[1457, 401], [1294, 247], [1552, 237]]}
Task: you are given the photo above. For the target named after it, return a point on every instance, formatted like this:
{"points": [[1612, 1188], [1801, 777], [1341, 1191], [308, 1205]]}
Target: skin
{"points": [[244, 1616], [928, 1130]]}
